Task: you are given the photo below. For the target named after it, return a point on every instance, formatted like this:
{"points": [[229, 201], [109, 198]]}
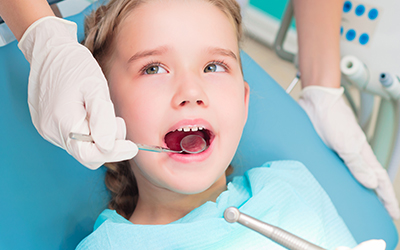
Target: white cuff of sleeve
{"points": [[332, 91]]}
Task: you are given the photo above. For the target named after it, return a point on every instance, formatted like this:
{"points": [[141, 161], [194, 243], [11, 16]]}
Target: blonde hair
{"points": [[101, 27]]}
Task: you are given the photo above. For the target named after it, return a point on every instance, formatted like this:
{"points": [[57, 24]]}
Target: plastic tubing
{"points": [[355, 71], [393, 166], [391, 84]]}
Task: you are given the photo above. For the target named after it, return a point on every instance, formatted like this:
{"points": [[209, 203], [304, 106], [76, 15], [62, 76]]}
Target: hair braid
{"points": [[122, 184]]}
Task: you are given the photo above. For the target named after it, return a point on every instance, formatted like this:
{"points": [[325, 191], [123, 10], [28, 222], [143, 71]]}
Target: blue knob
{"points": [[350, 35], [364, 38], [373, 14], [347, 6], [360, 10]]}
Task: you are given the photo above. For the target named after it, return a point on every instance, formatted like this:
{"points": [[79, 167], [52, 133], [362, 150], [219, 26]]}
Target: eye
{"points": [[214, 67], [154, 69]]}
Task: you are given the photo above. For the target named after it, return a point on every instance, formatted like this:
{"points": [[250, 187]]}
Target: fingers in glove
{"points": [[384, 190], [343, 248], [101, 116], [90, 156], [387, 195], [367, 245], [121, 128], [337, 126], [371, 245], [360, 169]]}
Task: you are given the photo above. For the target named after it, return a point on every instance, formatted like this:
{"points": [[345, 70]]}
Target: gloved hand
{"points": [[367, 245], [338, 128], [68, 93]]}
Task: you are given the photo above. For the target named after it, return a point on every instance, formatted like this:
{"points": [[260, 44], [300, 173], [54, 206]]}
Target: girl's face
{"points": [[177, 67]]}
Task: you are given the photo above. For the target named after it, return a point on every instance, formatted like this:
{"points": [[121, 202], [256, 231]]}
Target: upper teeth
{"points": [[190, 128]]}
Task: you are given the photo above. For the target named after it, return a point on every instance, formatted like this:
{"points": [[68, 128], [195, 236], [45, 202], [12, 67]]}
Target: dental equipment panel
{"points": [[369, 39], [280, 236]]}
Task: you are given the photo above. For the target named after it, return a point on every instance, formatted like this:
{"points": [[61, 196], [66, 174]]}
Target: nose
{"points": [[190, 92]]}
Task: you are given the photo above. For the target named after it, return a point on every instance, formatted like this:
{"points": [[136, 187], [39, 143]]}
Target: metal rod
{"points": [[293, 83], [282, 32], [157, 149]]}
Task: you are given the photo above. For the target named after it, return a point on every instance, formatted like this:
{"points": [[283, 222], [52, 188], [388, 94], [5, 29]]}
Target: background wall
{"points": [[274, 8], [262, 21]]}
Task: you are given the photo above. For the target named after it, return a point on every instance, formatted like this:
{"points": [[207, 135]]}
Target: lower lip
{"points": [[188, 158]]}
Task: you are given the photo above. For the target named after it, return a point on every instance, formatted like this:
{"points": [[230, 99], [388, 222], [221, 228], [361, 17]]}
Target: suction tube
{"points": [[355, 71], [391, 84], [393, 166], [280, 236]]}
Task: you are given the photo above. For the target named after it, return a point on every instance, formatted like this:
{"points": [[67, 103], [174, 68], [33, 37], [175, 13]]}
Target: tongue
{"points": [[173, 139]]}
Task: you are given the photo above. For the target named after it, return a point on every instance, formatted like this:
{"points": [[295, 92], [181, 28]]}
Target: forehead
{"points": [[186, 24]]}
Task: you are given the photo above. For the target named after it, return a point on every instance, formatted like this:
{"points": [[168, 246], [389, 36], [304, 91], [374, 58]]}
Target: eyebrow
{"points": [[221, 51], [162, 49], [145, 53]]}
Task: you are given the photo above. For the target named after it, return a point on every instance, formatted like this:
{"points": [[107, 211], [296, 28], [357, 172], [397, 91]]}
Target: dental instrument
{"points": [[391, 84], [293, 83], [355, 71], [280, 236], [191, 144]]}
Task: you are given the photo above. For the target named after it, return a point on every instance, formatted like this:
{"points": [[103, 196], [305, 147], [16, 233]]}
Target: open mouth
{"points": [[173, 138]]}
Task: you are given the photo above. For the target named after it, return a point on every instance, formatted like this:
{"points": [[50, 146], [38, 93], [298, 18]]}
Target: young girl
{"points": [[174, 69]]}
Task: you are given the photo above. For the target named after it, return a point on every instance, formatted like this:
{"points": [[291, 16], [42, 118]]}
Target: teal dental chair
{"points": [[50, 201]]}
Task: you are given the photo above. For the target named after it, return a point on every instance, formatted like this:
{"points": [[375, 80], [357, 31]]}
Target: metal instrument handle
{"points": [[144, 147]]}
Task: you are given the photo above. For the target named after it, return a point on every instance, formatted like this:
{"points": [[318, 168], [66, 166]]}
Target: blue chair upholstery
{"points": [[50, 201]]}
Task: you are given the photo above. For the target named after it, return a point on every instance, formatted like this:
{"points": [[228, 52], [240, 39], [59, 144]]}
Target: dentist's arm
{"points": [[318, 28], [67, 89], [20, 14]]}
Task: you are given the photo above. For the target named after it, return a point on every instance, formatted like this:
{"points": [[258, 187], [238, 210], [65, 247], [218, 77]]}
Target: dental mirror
{"points": [[191, 144]]}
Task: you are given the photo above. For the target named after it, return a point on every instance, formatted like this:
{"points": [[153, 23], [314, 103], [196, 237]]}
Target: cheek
{"points": [[142, 110], [231, 117], [232, 106], [127, 105], [137, 112]]}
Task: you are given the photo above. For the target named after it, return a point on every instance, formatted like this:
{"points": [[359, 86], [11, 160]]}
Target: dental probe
{"points": [[280, 236], [293, 83]]}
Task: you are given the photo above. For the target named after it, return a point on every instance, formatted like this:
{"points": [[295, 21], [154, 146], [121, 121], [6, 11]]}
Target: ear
{"points": [[246, 99]]}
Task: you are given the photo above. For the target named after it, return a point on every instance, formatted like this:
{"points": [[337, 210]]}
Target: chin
{"points": [[196, 185]]}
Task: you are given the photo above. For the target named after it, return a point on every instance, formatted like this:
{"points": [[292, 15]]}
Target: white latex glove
{"points": [[68, 93], [367, 245], [337, 126]]}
